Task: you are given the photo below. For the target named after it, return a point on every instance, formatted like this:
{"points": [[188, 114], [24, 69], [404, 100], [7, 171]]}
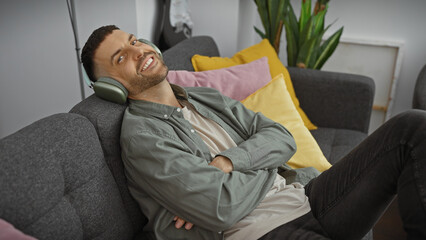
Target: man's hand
{"points": [[223, 163], [180, 222]]}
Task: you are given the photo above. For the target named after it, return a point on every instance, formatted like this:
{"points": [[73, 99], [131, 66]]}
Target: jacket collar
{"points": [[156, 109]]}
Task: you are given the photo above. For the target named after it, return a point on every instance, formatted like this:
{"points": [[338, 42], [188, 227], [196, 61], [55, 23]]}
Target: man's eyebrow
{"points": [[116, 52]]}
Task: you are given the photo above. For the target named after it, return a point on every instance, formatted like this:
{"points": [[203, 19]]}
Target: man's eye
{"points": [[120, 59], [134, 42]]}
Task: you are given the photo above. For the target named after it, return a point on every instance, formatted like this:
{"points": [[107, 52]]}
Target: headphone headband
{"points": [[152, 45], [86, 77]]}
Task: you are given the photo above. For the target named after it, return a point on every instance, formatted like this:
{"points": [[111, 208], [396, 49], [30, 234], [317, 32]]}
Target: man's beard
{"points": [[142, 83]]}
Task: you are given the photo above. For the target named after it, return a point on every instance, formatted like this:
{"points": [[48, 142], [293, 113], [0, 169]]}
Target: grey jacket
{"points": [[166, 163]]}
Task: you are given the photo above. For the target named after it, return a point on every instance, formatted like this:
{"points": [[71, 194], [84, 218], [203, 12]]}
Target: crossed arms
{"points": [[179, 177]]}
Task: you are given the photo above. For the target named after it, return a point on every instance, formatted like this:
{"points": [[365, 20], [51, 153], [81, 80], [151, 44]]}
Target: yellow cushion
{"points": [[274, 101], [262, 49]]}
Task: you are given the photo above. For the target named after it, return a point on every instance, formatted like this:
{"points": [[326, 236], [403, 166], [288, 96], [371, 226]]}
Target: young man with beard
{"points": [[202, 166]]}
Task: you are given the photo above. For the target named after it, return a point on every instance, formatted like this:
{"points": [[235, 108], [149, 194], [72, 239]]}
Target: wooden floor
{"points": [[389, 226]]}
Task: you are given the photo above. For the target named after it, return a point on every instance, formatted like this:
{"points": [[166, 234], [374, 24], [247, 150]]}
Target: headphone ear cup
{"points": [[152, 45], [111, 90]]}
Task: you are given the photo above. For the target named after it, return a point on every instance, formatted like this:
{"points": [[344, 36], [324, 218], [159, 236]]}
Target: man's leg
{"points": [[350, 197], [304, 227]]}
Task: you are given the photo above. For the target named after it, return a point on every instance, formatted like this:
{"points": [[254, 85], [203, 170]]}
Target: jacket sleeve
{"points": [[167, 170], [268, 144]]}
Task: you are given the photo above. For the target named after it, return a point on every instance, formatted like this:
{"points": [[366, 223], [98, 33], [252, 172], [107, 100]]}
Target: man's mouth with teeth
{"points": [[147, 64]]}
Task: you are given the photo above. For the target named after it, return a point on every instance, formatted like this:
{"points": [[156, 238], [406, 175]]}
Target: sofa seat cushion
{"points": [[336, 143], [54, 182]]}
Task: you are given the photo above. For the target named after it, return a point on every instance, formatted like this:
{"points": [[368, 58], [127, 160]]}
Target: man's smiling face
{"points": [[134, 64]]}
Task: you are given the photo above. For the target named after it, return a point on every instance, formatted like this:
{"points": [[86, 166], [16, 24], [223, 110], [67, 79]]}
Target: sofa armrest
{"points": [[334, 100], [179, 56]]}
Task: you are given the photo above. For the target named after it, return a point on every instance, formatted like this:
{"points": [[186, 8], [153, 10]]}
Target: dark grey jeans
{"points": [[348, 199]]}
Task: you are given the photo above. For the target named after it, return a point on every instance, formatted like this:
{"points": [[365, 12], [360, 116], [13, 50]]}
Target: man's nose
{"points": [[137, 52]]}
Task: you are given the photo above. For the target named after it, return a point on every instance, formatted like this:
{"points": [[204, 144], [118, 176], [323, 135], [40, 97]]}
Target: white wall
{"points": [[389, 20], [37, 62], [38, 66], [386, 20], [219, 19], [38, 69], [146, 18]]}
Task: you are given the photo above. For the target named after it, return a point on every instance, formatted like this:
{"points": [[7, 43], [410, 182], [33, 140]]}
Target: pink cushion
{"points": [[8, 232], [236, 82]]}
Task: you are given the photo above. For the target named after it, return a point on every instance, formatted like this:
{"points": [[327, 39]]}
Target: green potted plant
{"points": [[305, 47], [272, 14]]}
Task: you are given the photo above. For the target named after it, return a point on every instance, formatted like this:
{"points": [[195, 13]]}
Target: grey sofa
{"points": [[419, 96], [62, 177]]}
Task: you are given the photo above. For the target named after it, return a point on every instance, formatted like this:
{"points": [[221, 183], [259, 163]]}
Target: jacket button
{"points": [[192, 130], [165, 115], [178, 110]]}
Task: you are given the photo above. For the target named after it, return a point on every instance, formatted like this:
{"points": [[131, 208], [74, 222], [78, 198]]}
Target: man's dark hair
{"points": [[90, 47]]}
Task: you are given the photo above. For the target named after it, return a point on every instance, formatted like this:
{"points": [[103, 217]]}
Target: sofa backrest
{"points": [[179, 56], [106, 117], [54, 182], [419, 96]]}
